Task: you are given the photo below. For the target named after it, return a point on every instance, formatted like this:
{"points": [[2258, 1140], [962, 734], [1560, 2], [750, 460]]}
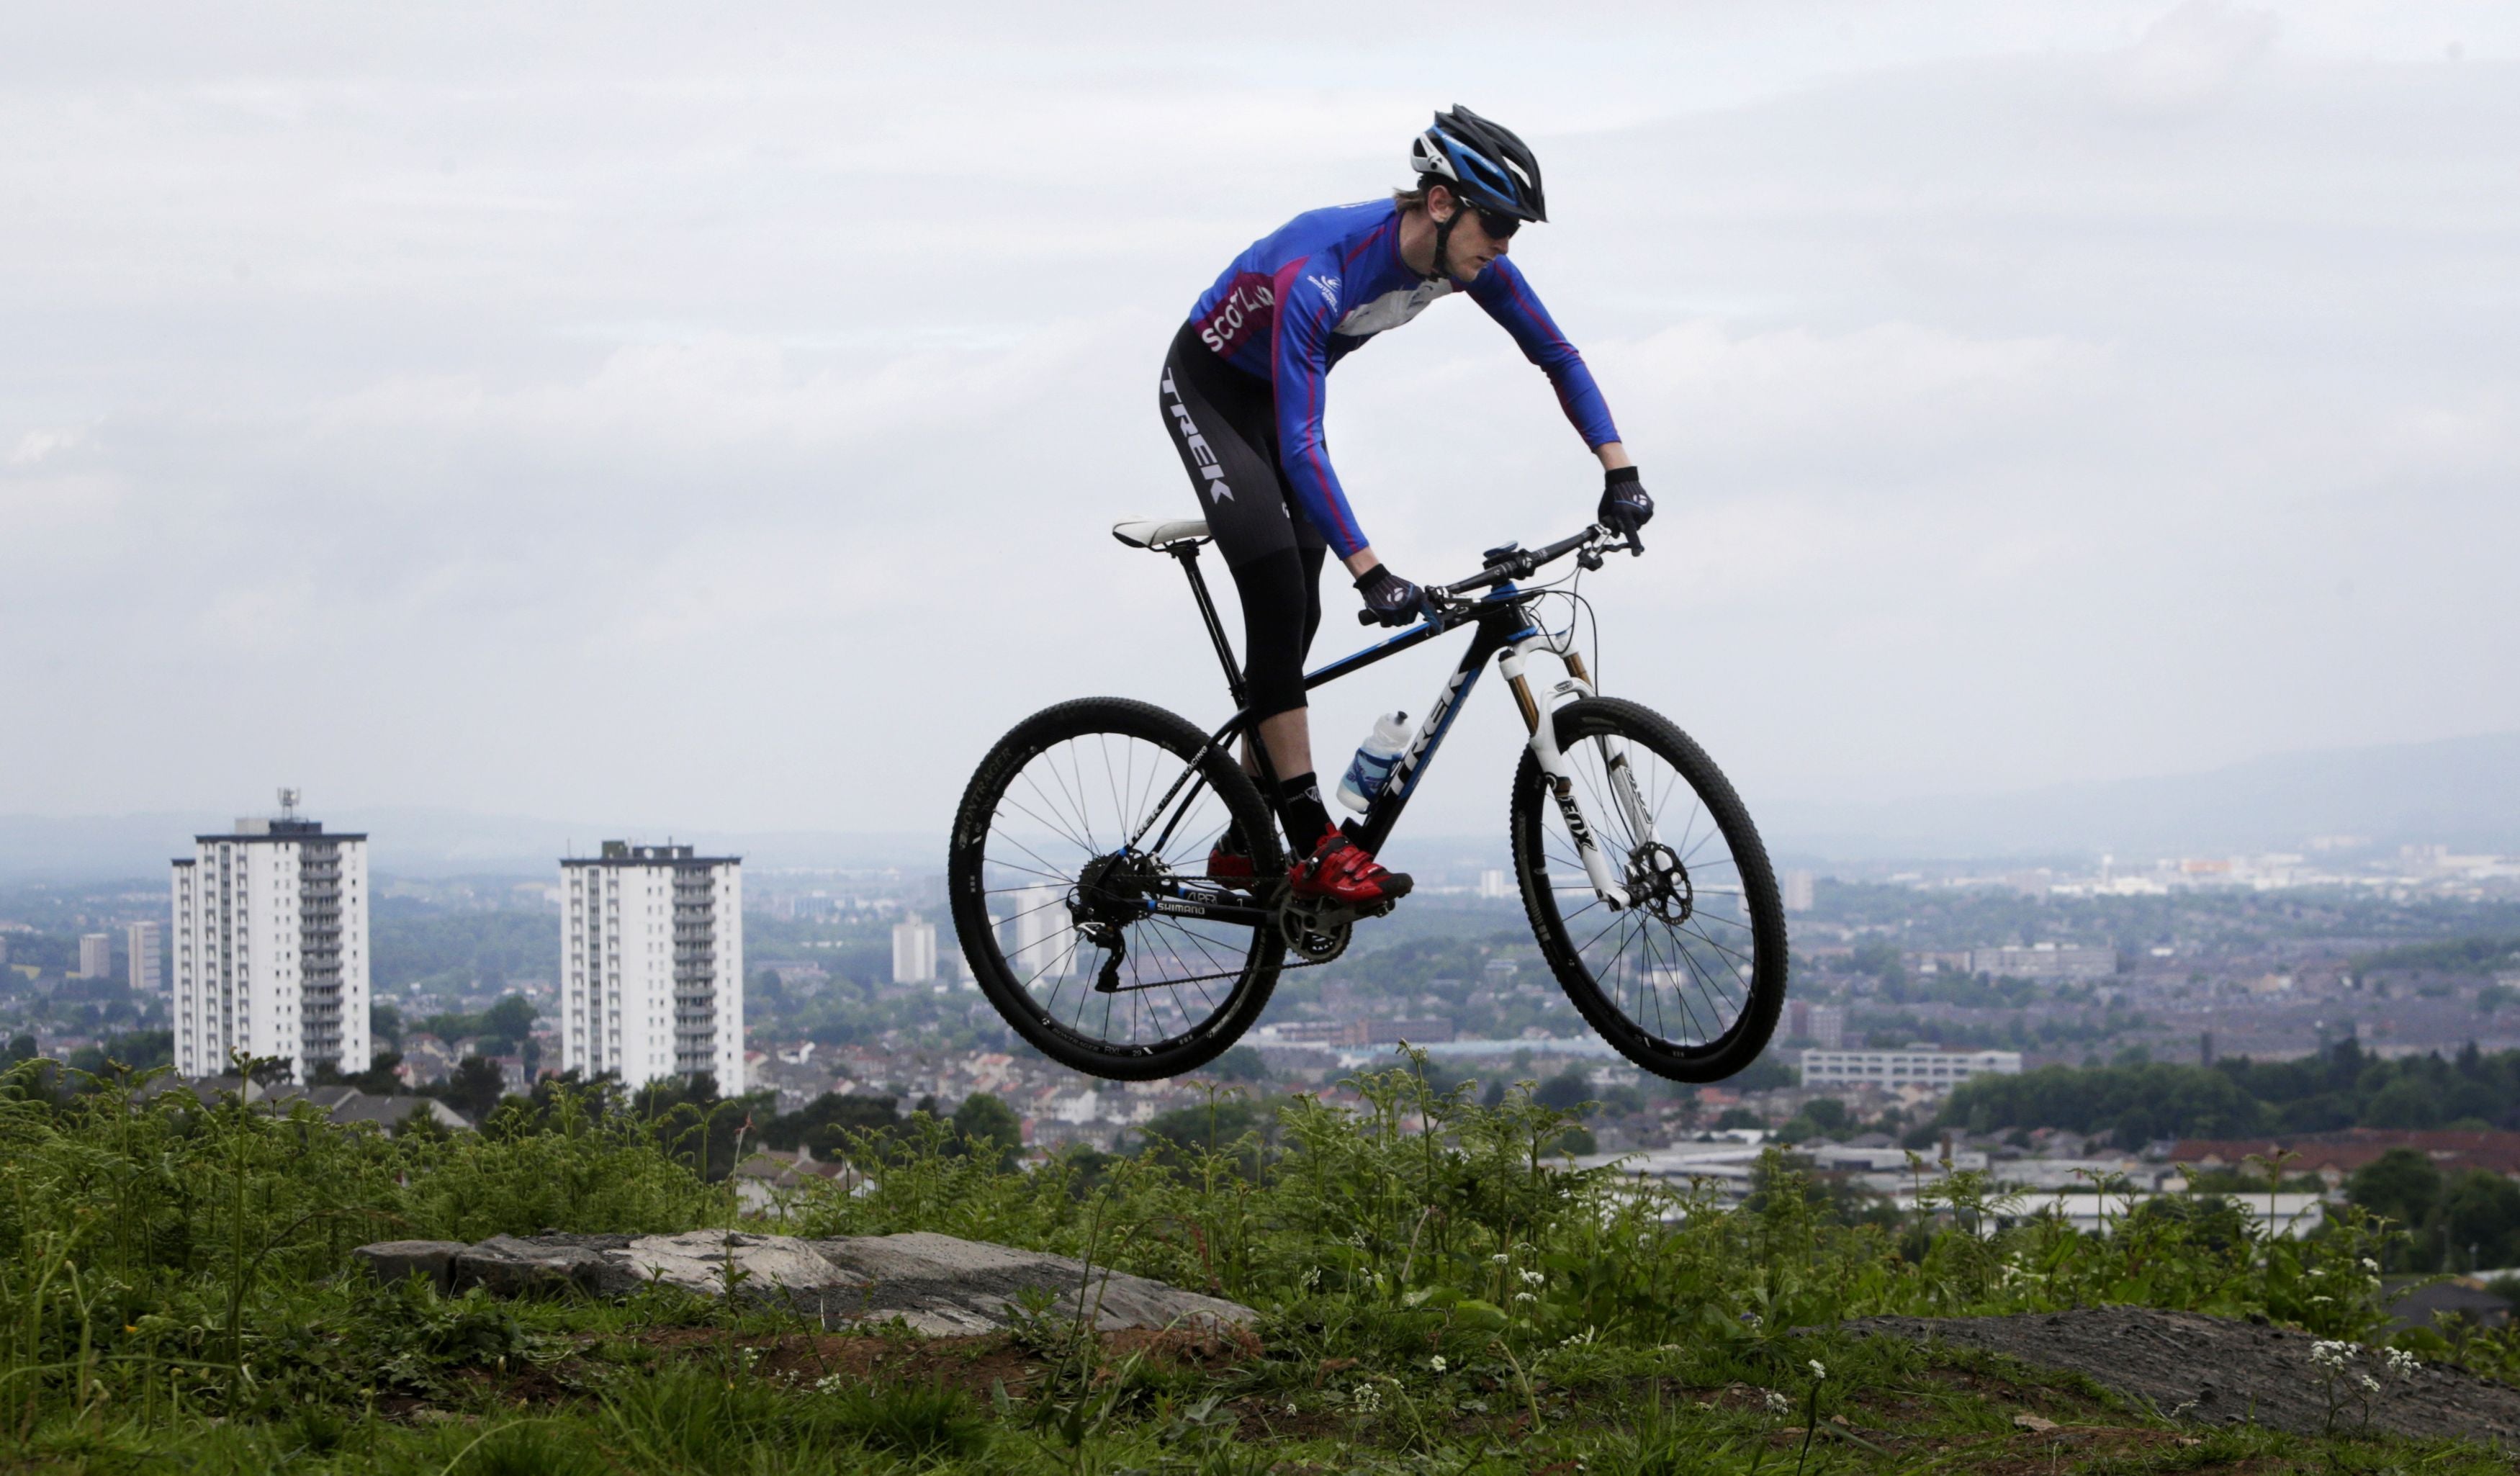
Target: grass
{"points": [[1437, 1293]]}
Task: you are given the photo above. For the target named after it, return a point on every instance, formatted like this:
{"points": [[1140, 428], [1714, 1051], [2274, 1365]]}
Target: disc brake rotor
{"points": [[1658, 883]]}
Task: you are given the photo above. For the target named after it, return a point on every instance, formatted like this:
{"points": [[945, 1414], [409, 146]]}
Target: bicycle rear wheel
{"points": [[1080, 894], [1686, 981]]}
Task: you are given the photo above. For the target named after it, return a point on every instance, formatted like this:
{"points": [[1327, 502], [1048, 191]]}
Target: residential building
{"points": [[144, 946], [96, 955], [1826, 1027], [1924, 1066], [1797, 887], [270, 948], [1041, 925], [914, 951], [2046, 963], [651, 964]]}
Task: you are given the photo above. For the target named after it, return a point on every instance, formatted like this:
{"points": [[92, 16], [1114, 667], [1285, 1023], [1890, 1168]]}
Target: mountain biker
{"points": [[1241, 397]]}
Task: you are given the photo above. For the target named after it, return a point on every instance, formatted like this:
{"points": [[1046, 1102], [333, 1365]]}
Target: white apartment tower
{"points": [[144, 948], [651, 964], [913, 952], [270, 948]]}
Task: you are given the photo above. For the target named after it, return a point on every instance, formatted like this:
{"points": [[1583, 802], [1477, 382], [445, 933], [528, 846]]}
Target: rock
{"points": [[934, 1283], [2221, 1370], [391, 1261]]}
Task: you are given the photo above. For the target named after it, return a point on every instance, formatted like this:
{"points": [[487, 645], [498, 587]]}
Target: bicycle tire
{"points": [[1749, 915], [1015, 987]]}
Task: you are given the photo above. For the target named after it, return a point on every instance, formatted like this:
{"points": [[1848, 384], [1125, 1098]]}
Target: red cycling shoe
{"points": [[1224, 865], [1341, 871]]}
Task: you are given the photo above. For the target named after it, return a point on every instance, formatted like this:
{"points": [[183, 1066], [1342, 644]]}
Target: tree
{"points": [[2481, 1212], [474, 1088], [1241, 1063], [986, 1128], [830, 1124], [1566, 1092], [2401, 1184]]}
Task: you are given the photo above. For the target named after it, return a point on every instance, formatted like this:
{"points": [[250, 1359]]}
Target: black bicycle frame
{"points": [[1502, 619]]}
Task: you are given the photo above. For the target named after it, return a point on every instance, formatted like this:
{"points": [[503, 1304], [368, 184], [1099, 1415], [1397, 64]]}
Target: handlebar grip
{"points": [[1364, 617]]}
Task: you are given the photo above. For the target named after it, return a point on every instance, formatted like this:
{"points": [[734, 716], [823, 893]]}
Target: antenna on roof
{"points": [[288, 804]]}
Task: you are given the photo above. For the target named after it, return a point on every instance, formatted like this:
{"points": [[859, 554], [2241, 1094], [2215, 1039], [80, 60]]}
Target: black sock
{"points": [[1300, 809]]}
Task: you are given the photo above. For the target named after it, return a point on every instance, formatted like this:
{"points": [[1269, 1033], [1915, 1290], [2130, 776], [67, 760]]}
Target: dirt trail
{"points": [[2218, 1371]]}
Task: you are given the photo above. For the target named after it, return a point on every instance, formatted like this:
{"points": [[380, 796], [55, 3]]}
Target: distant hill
{"points": [[2461, 792], [426, 843]]}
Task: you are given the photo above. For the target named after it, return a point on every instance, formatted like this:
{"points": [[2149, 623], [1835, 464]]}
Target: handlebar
{"points": [[1510, 563]]}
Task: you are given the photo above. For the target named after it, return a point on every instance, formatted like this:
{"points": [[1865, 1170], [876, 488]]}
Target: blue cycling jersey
{"points": [[1306, 296]]}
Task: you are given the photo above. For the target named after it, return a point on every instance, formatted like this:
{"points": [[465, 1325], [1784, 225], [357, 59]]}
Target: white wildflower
{"points": [[1501, 1259], [2333, 1356], [1524, 1296], [831, 1383], [1777, 1404], [1533, 1278], [2370, 1384], [1437, 1364], [2403, 1363], [2370, 1265], [1365, 1398], [1817, 1370]]}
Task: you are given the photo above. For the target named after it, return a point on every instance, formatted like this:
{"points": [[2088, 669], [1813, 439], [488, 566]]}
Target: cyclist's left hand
{"points": [[1626, 505], [1390, 599]]}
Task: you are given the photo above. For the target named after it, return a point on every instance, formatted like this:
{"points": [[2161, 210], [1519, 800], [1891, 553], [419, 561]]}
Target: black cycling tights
{"points": [[1224, 423], [1282, 611]]}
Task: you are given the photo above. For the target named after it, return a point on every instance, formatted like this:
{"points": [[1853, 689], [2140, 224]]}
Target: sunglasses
{"points": [[1498, 227]]}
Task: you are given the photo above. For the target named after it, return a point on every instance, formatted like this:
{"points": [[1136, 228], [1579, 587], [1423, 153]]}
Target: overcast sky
{"points": [[713, 416]]}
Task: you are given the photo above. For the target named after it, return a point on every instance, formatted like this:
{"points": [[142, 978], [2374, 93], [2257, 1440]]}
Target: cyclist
{"points": [[1242, 398]]}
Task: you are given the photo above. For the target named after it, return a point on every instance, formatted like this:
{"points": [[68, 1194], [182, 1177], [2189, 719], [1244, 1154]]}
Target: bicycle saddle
{"points": [[1159, 532]]}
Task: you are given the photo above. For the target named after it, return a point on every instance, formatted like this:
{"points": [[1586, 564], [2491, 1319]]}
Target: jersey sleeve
{"points": [[1507, 297], [1299, 362]]}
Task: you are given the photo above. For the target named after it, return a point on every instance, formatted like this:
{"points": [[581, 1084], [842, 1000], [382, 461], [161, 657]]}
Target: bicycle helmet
{"points": [[1484, 163]]}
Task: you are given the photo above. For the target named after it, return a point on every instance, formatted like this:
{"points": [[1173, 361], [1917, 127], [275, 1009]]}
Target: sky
{"points": [[715, 418]]}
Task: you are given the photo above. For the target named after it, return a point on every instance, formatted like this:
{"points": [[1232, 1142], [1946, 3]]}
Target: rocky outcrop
{"points": [[2219, 1370], [934, 1283]]}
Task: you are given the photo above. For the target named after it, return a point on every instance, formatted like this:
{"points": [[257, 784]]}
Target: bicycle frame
{"points": [[1505, 633]]}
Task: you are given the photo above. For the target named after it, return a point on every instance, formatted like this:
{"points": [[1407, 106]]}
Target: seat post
{"points": [[1187, 553]]}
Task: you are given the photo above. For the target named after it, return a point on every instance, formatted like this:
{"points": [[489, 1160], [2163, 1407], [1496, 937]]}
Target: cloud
{"points": [[680, 408], [2191, 59]]}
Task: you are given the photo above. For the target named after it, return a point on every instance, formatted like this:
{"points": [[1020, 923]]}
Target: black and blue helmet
{"points": [[1491, 168]]}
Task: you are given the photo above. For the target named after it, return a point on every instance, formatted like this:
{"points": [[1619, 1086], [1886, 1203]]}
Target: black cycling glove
{"points": [[1626, 505], [1389, 599]]}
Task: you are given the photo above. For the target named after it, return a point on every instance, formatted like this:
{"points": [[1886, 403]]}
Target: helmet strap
{"points": [[1441, 269]]}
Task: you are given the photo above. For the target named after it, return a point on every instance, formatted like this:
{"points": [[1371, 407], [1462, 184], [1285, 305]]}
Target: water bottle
{"points": [[1371, 769]]}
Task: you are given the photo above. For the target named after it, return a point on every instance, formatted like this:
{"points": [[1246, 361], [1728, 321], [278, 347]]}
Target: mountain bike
{"points": [[1078, 863]]}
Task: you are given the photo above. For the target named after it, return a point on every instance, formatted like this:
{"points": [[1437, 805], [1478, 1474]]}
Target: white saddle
{"points": [[1159, 533]]}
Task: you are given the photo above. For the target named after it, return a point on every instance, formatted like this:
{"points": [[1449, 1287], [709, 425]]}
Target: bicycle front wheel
{"points": [[1688, 978], [1078, 873]]}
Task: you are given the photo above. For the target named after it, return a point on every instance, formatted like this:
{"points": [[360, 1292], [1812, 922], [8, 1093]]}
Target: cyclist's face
{"points": [[1473, 247]]}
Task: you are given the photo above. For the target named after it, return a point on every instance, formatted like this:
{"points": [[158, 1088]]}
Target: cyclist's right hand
{"points": [[1390, 599]]}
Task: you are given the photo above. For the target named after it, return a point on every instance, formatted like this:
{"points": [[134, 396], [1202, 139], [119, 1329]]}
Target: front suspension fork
{"points": [[1560, 776]]}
